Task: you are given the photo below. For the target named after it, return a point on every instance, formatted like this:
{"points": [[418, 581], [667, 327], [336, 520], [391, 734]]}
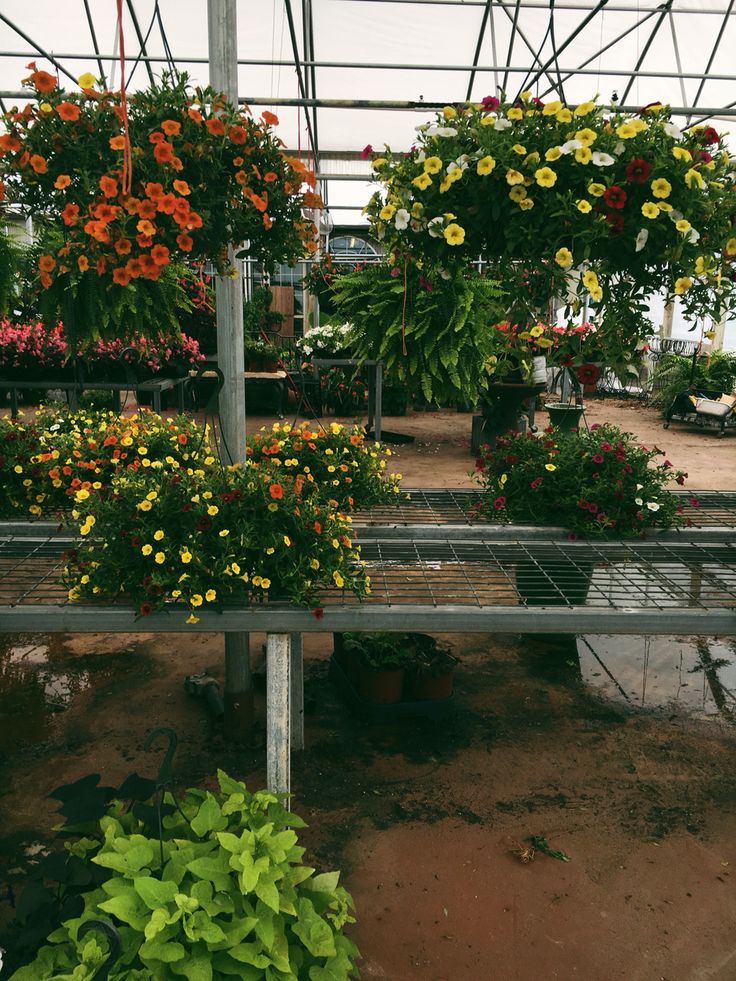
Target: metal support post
{"points": [[297, 692], [667, 318], [378, 405], [278, 723], [239, 711]]}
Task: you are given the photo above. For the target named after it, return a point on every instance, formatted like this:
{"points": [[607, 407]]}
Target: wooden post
{"points": [[669, 313], [278, 723], [297, 692], [223, 57]]}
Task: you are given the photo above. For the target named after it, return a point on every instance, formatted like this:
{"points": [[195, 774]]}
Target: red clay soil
{"points": [[623, 759]]}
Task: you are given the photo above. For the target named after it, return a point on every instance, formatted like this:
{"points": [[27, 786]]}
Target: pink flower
{"points": [[489, 103], [598, 458], [366, 152], [499, 503], [535, 483]]}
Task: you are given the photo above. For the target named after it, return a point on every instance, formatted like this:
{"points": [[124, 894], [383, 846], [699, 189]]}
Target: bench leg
{"points": [[297, 692], [157, 401], [239, 712], [278, 749]]}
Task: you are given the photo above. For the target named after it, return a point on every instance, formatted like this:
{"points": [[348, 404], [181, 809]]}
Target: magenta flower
{"points": [[366, 152], [489, 103]]}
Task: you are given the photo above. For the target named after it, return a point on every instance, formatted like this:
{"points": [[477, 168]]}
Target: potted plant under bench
{"points": [[389, 675]]}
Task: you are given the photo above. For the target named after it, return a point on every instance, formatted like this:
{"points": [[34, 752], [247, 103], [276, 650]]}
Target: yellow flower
{"points": [[596, 293], [210, 595], [158, 535], [273, 506], [518, 193], [554, 153], [257, 580], [488, 121], [639, 125], [192, 619], [536, 331], [86, 81], [151, 495], [339, 581], [730, 248], [196, 600], [518, 148], [650, 210], [378, 163], [682, 285], [545, 177], [597, 190], [584, 206], [564, 115], [224, 532], [270, 550], [387, 212], [664, 206], [586, 136], [449, 112], [416, 209], [432, 165], [212, 510], [445, 185], [661, 187], [693, 177], [287, 540], [590, 279], [526, 95], [175, 593], [683, 225], [83, 529], [265, 583], [583, 154], [550, 467], [514, 177], [84, 580], [563, 257], [147, 549], [532, 158], [626, 131], [159, 558], [81, 495], [552, 108], [526, 205], [185, 556], [17, 468], [454, 234], [584, 108], [314, 564], [423, 181], [485, 165], [514, 113], [681, 153]]}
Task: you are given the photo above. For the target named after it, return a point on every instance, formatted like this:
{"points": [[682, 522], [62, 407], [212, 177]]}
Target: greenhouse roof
{"points": [[345, 73]]}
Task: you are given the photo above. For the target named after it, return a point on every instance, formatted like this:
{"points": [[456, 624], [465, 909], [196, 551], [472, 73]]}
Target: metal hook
{"points": [[164, 774], [113, 942]]}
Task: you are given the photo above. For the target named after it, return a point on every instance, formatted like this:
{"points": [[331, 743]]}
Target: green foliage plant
{"points": [[223, 893], [445, 325], [593, 483], [674, 375]]}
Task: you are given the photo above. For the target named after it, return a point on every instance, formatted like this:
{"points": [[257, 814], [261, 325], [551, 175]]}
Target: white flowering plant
{"points": [[599, 482], [575, 203], [326, 340]]}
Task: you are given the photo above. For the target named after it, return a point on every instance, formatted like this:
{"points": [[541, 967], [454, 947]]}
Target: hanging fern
{"points": [[445, 324]]}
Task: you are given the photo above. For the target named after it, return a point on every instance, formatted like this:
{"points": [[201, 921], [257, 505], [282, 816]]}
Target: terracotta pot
{"points": [[427, 688], [381, 687]]}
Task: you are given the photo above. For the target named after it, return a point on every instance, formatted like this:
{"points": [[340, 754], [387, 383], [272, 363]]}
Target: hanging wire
{"points": [[167, 47], [145, 40]]}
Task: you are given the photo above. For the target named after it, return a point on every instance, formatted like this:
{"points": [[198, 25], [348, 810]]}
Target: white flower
{"points": [[463, 159], [602, 159], [570, 146], [652, 506], [435, 227], [421, 156], [444, 274], [401, 219], [641, 239], [692, 235], [638, 500], [640, 487], [619, 148], [674, 131], [422, 127], [502, 124], [441, 131], [451, 167]]}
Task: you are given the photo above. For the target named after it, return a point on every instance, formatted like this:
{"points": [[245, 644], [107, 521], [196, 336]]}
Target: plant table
{"points": [[375, 385], [154, 386]]}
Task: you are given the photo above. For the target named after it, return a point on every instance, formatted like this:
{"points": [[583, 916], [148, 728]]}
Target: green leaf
{"points": [[153, 892], [209, 818], [195, 968], [267, 891], [250, 954], [165, 951], [213, 868], [313, 931], [326, 882], [128, 908], [135, 858]]}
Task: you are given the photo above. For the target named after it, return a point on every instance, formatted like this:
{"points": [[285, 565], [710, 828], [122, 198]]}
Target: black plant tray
{"points": [[436, 708]]}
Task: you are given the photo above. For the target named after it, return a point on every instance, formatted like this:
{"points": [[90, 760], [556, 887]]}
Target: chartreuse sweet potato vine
{"points": [[224, 894]]}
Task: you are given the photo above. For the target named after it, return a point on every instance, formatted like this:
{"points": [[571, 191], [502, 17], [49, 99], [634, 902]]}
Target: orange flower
{"points": [[238, 161], [269, 177], [181, 206], [156, 137], [184, 242], [109, 187], [241, 177], [195, 114], [160, 255], [238, 135], [68, 111], [166, 204], [62, 181], [83, 263], [98, 230], [267, 223], [256, 171], [38, 163], [147, 209], [131, 205], [117, 142], [46, 263], [2, 190], [181, 187], [311, 200], [145, 227], [261, 203], [43, 81], [100, 266], [105, 212], [133, 268], [122, 246], [163, 152], [9, 143], [276, 491], [150, 268], [121, 276], [144, 241], [45, 280], [215, 126], [193, 220], [310, 246], [171, 127], [70, 214], [176, 163], [269, 118], [154, 190]]}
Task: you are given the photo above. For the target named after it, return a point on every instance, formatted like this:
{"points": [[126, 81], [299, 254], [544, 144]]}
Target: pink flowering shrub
{"points": [[31, 348]]}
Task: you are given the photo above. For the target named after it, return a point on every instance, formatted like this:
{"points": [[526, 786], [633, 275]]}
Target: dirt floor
{"points": [[618, 751]]}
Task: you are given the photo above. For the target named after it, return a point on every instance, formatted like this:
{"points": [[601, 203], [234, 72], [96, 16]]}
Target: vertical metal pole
{"points": [[297, 692], [378, 407], [667, 318], [223, 56], [278, 749]]}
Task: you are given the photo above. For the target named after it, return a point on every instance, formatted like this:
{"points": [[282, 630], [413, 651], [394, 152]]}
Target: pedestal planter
{"points": [[564, 415], [554, 584], [502, 408]]}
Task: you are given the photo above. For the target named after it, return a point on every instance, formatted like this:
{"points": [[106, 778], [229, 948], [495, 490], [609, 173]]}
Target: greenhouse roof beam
{"points": [[38, 50], [141, 39], [543, 5], [568, 40], [512, 36], [297, 65], [640, 60], [713, 53], [95, 45], [479, 46]]}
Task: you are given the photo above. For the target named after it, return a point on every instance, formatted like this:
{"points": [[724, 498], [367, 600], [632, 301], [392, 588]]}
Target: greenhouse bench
{"points": [[154, 386]]}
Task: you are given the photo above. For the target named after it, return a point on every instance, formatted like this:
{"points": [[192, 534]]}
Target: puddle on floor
{"points": [[693, 675]]}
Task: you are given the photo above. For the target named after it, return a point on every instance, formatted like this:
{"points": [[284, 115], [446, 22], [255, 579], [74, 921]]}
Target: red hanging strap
{"points": [[127, 175], [403, 313]]}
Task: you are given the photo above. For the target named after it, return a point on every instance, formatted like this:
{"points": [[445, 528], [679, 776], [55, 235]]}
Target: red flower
{"points": [[318, 613], [145, 609], [709, 135], [366, 151], [597, 458], [588, 374], [276, 491], [638, 170], [535, 483], [615, 196], [499, 503], [694, 502], [489, 103]]}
